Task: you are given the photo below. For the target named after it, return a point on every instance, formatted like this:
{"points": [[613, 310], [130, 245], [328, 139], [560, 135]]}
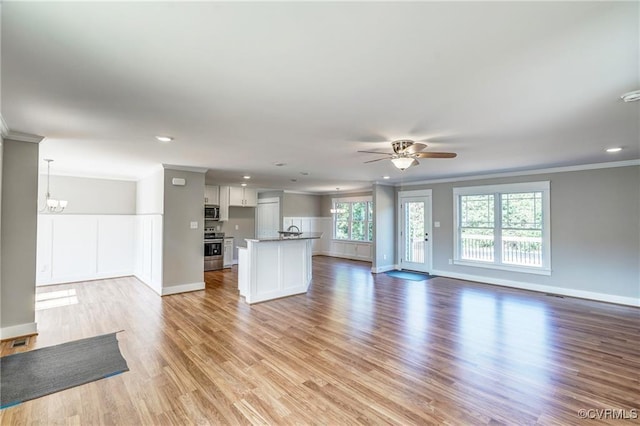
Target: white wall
{"points": [[148, 241], [84, 247], [150, 193], [148, 250]]}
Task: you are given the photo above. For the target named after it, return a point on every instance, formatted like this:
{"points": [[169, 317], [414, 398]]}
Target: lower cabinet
{"points": [[227, 258]]}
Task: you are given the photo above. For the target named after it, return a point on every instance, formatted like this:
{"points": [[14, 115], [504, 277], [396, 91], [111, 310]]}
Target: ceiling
{"points": [[241, 86]]}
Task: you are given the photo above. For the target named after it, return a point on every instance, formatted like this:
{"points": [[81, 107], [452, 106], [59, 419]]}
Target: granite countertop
{"points": [[303, 236]]}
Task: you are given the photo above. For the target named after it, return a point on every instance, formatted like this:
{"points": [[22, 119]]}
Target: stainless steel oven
{"points": [[213, 250]]}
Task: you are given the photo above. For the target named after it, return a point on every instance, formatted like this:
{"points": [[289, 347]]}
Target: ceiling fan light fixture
{"points": [[402, 163], [631, 96]]}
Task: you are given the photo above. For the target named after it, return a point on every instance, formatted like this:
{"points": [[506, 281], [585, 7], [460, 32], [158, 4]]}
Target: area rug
{"points": [[408, 275], [30, 375]]}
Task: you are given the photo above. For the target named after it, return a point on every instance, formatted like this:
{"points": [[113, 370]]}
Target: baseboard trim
{"points": [[341, 256], [90, 277], [182, 288], [19, 330], [143, 281], [386, 268], [581, 294]]}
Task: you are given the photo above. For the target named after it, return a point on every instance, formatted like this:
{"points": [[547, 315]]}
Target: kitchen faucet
{"points": [[293, 226]]}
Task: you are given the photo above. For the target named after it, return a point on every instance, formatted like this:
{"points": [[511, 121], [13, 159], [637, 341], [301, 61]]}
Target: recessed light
{"points": [[616, 149], [279, 164], [631, 96], [243, 184], [246, 177], [385, 177], [164, 138], [304, 173], [294, 180]]}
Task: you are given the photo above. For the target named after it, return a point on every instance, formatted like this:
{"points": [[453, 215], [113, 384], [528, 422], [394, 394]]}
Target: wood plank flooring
{"points": [[358, 348]]}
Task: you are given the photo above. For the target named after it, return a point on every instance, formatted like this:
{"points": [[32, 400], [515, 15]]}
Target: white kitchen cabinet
{"points": [[236, 196], [250, 197], [212, 195], [224, 203], [227, 258], [243, 197]]}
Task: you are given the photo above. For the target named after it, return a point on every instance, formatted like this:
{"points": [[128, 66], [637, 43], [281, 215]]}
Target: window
{"points": [[353, 219], [503, 227]]}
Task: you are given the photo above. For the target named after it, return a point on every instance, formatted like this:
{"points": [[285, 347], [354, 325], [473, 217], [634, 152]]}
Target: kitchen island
{"points": [[274, 267]]}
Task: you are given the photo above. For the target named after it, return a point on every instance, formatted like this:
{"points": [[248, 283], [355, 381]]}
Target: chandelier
{"points": [[52, 205]]}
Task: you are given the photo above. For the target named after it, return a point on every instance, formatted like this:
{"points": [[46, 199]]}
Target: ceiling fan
{"points": [[406, 153]]}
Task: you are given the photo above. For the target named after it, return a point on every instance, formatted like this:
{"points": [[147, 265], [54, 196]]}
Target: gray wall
{"points": [[18, 240], [301, 205], [1, 156], [245, 219], [90, 196], [595, 229], [183, 255], [384, 225]]}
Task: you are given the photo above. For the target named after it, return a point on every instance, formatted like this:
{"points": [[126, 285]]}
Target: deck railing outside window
{"points": [[524, 251]]}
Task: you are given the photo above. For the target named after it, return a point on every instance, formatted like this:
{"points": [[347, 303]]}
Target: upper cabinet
{"points": [[243, 196], [212, 194], [235, 196], [224, 203]]}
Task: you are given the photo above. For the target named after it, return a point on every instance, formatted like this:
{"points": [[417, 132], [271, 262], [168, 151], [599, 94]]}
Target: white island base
{"points": [[272, 268]]}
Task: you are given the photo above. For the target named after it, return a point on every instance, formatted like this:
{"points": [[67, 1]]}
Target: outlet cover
{"points": [[194, 225]]}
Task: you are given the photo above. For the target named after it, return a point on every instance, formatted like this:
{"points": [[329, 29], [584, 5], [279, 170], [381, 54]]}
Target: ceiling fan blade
{"points": [[416, 147], [377, 152], [435, 155], [415, 163], [377, 159]]}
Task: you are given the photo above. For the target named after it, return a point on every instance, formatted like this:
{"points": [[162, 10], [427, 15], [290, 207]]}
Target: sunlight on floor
{"points": [[54, 299]]}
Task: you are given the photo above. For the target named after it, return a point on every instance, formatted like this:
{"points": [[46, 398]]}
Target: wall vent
{"points": [[20, 341]]}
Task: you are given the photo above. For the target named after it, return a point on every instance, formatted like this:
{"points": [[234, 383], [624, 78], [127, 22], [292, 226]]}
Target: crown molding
{"points": [[185, 168], [23, 137], [595, 166]]}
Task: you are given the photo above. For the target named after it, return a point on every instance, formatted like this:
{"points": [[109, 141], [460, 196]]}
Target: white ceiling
{"points": [[241, 86]]}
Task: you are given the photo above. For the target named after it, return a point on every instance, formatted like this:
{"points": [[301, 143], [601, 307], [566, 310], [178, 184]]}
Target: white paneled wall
{"points": [[326, 245], [84, 247], [148, 250]]}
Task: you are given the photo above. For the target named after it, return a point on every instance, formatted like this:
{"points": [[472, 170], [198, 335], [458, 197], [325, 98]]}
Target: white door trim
{"points": [[422, 193]]}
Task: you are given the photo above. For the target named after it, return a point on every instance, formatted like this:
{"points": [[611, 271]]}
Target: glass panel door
{"points": [[415, 238]]}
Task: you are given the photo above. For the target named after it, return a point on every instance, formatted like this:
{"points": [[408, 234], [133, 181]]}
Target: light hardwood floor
{"points": [[358, 348]]}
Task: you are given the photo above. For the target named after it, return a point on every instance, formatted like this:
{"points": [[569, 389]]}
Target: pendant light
{"points": [[52, 205], [334, 209]]}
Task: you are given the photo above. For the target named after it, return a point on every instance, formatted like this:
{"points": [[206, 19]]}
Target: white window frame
{"points": [[335, 201], [497, 191]]}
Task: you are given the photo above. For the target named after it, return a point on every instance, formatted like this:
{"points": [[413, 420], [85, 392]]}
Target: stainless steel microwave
{"points": [[211, 213]]}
